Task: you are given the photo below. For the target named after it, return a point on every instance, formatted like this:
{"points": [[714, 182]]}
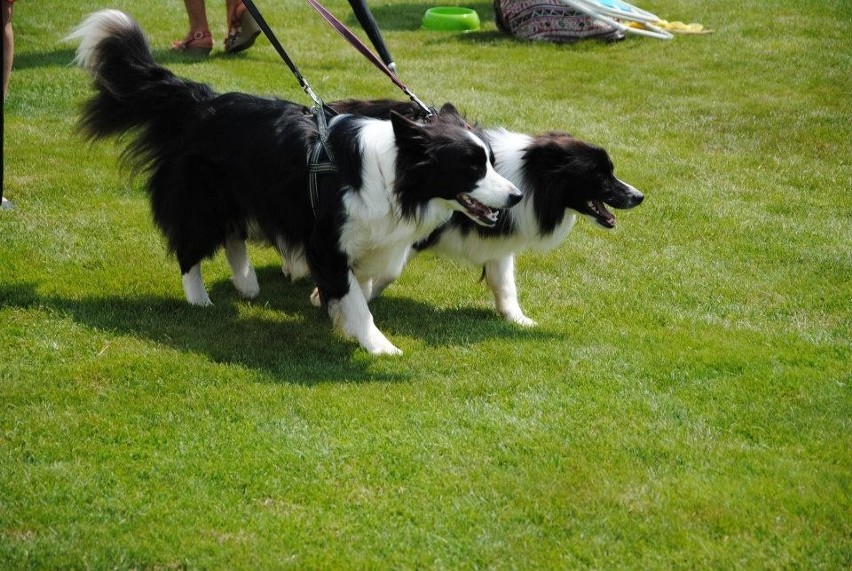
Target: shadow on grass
{"points": [[63, 57], [279, 333], [167, 56]]}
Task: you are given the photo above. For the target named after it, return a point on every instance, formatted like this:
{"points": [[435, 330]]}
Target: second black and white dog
{"points": [[226, 167], [561, 177]]}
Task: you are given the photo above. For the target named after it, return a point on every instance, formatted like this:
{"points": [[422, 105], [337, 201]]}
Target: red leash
{"points": [[367, 53], [303, 83]]}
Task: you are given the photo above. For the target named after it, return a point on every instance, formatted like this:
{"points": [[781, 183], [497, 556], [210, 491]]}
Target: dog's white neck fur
{"points": [[377, 234], [509, 149], [378, 155]]}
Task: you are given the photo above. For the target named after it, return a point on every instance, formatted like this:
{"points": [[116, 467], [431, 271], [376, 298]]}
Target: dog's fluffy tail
{"points": [[133, 91]]}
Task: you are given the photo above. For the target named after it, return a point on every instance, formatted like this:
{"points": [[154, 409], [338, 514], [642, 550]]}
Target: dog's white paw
{"points": [[193, 287], [379, 345], [315, 298], [247, 284], [203, 301], [521, 319], [374, 341]]}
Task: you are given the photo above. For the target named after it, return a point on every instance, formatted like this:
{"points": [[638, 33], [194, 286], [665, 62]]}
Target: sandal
{"points": [[196, 43], [242, 31]]}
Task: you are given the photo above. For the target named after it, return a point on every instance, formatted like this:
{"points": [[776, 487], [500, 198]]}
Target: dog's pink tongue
{"points": [[605, 214]]}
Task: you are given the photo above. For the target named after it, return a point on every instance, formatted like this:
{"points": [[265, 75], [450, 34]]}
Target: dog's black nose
{"points": [[515, 197], [625, 196]]}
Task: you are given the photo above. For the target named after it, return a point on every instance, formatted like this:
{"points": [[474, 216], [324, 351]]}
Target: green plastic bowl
{"points": [[451, 19]]}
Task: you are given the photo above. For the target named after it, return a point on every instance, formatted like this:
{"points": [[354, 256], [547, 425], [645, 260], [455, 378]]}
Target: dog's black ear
{"points": [[451, 116], [407, 131], [449, 109]]}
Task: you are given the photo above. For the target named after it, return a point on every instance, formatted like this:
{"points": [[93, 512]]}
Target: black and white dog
{"points": [[560, 177], [226, 167]]}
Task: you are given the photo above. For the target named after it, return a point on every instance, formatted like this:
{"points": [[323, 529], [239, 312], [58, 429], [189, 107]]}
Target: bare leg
{"points": [[198, 40], [8, 58], [197, 13], [231, 12], [8, 45], [242, 29]]}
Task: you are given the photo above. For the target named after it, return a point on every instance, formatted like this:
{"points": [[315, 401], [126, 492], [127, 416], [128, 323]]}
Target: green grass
{"points": [[684, 402]]}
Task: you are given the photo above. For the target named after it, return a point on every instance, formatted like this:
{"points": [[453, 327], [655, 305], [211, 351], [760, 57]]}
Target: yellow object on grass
{"points": [[676, 27]]}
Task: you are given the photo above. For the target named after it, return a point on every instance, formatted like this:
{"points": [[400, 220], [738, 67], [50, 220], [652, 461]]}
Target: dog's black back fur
{"points": [[198, 146]]}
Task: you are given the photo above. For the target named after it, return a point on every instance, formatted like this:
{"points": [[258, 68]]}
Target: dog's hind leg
{"points": [[282, 248], [294, 265], [242, 272], [193, 287], [500, 276]]}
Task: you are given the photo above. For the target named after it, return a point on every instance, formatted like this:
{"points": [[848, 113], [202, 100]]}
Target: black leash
{"points": [[303, 83], [367, 53], [317, 166], [320, 159], [350, 37]]}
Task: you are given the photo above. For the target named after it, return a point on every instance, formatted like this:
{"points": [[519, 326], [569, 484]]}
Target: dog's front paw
{"points": [[375, 342], [382, 347], [521, 319], [315, 298]]}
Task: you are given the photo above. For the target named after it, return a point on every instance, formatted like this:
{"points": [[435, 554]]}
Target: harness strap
{"points": [[321, 160], [317, 167]]}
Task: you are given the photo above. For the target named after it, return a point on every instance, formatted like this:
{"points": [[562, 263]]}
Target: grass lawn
{"points": [[684, 402]]}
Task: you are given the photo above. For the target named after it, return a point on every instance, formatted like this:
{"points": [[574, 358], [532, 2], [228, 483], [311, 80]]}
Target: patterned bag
{"points": [[549, 20]]}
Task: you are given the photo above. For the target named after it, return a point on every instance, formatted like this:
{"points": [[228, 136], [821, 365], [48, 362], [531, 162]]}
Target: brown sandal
{"points": [[242, 31], [196, 43]]}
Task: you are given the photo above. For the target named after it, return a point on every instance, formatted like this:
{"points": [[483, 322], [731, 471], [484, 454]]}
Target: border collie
{"points": [[560, 177], [222, 168]]}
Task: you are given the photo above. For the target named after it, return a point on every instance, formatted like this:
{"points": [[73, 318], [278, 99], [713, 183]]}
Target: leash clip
{"points": [[318, 104]]}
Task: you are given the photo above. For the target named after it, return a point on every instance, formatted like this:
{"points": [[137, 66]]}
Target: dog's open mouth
{"points": [[477, 211], [602, 216]]}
